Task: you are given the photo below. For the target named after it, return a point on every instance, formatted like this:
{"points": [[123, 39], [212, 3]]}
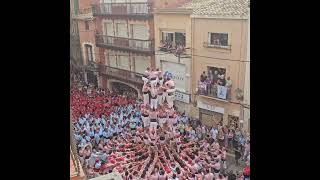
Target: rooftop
{"points": [[218, 7]]}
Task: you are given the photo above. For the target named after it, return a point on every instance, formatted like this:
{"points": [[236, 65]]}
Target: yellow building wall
{"points": [[231, 59]]}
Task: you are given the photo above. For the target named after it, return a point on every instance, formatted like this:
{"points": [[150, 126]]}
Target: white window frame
{"points": [[219, 46], [117, 30], [105, 29], [84, 52]]}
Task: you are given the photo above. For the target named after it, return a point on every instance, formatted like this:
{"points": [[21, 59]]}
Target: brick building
{"points": [[117, 42]]}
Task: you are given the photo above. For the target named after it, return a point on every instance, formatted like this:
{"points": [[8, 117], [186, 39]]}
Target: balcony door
{"points": [[139, 32], [122, 34], [88, 53], [109, 31]]}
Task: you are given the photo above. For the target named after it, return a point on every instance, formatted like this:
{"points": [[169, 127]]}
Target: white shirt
{"points": [[214, 133]]}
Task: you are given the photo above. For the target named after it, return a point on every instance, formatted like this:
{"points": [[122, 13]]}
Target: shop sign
{"points": [[180, 96], [209, 107], [178, 73]]}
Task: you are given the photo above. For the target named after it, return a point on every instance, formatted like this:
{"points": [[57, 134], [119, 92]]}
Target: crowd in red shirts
{"points": [[95, 101]]}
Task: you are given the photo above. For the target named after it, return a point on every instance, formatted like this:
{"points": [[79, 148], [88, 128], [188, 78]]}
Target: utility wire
{"points": [[215, 58]]}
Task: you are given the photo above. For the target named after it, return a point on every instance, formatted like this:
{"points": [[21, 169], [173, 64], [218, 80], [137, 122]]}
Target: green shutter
{"points": [[76, 7]]}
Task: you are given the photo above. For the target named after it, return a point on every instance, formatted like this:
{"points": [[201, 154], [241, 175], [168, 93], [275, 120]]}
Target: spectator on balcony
{"points": [[169, 46], [215, 76], [208, 85], [210, 77], [221, 79], [203, 76], [228, 86], [162, 46], [215, 88], [179, 49]]}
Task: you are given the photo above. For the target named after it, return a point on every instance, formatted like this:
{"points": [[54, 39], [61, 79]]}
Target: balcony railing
{"points": [[214, 91], [122, 9], [86, 13], [124, 43], [122, 74]]}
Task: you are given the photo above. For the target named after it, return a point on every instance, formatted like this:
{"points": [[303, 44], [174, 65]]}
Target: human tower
{"points": [[158, 96]]}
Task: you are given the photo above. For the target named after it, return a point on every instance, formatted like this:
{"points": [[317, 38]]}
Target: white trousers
{"points": [[160, 99], [146, 121], [154, 103], [164, 96], [170, 100], [145, 99], [162, 121]]}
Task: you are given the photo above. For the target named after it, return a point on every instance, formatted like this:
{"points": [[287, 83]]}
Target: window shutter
{"points": [[140, 32], [109, 29], [122, 30], [123, 61], [112, 60]]}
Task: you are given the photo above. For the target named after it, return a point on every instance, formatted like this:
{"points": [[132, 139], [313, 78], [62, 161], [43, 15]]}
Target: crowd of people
{"points": [[168, 46], [208, 84], [148, 139]]}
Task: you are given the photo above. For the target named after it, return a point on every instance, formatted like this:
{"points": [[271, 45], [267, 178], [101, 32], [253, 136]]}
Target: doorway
{"points": [[233, 121], [124, 89], [92, 79], [210, 118]]}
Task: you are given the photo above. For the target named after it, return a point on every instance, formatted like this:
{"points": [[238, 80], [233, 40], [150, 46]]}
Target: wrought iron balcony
{"points": [[214, 91], [91, 66], [136, 10], [84, 14], [121, 74], [127, 44]]}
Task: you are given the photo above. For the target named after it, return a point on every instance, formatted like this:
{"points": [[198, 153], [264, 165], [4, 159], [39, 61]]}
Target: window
{"points": [[218, 39], [173, 41], [109, 29], [112, 60], [180, 38], [88, 50], [167, 37], [123, 61], [214, 83], [174, 37], [139, 31], [121, 30], [86, 25]]}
